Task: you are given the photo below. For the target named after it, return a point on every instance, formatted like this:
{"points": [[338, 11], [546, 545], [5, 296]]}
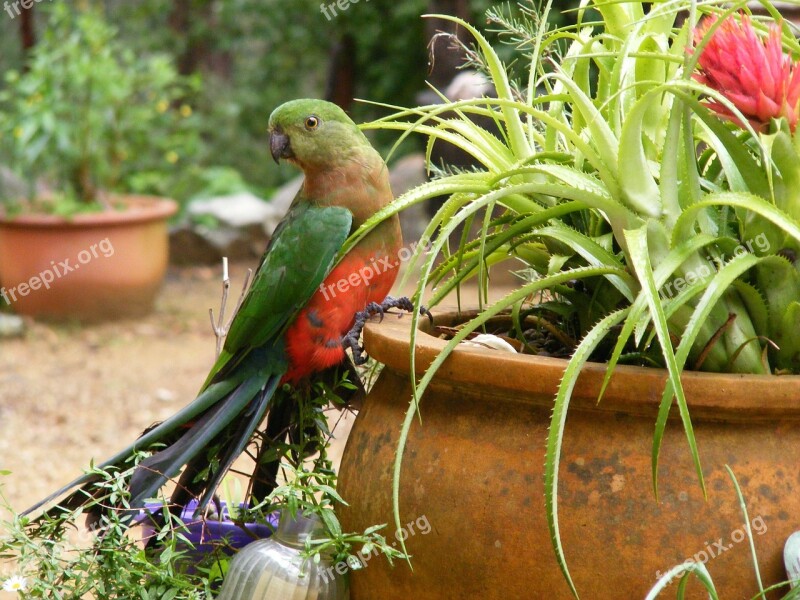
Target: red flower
{"points": [[752, 72]]}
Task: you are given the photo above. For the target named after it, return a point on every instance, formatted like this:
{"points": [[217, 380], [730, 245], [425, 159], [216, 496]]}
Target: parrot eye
{"points": [[312, 123]]}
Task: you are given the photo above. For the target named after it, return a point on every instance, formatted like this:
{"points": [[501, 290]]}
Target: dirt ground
{"points": [[71, 393]]}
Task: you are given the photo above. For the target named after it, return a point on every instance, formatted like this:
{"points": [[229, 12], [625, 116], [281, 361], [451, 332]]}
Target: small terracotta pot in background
{"points": [[90, 267], [473, 476]]}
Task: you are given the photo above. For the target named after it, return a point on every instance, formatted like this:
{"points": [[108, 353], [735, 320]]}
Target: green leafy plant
{"points": [[90, 117], [310, 484], [649, 229], [314, 492], [56, 557]]}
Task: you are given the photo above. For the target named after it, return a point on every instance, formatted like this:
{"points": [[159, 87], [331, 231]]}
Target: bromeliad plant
{"points": [[646, 176]]}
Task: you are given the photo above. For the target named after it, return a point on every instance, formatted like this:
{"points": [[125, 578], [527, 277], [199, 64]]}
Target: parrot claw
{"points": [[373, 308]]}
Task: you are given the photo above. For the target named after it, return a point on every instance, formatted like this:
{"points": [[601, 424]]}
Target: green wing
{"points": [[299, 256]]}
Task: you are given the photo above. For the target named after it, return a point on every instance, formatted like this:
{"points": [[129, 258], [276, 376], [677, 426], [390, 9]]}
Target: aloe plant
{"points": [[614, 169]]}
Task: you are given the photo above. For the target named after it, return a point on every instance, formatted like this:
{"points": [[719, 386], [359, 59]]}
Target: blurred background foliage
{"points": [[244, 57]]}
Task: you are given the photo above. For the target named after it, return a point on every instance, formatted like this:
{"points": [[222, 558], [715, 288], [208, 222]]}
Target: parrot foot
{"points": [[373, 308]]}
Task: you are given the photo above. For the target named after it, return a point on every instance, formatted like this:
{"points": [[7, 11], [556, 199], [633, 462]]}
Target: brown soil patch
{"points": [[70, 393]]}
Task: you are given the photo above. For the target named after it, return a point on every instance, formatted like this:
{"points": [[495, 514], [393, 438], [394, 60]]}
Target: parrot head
{"points": [[313, 133]]}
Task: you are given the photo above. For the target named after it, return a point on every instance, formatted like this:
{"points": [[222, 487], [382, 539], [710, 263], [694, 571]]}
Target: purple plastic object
{"points": [[212, 533]]}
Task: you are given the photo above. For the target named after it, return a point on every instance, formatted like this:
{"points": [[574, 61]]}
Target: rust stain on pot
{"points": [[767, 492]]}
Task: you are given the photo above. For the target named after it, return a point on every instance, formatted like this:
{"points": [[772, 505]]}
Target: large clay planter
{"points": [[115, 261], [473, 470]]}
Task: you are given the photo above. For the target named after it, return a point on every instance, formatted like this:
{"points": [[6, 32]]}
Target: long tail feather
{"points": [[265, 474], [240, 438], [156, 470], [216, 408], [208, 398]]}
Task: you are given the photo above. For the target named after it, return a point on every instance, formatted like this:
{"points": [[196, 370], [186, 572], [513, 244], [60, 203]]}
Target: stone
{"points": [[280, 201], [237, 211], [240, 225], [469, 84], [240, 228], [193, 243], [11, 326]]}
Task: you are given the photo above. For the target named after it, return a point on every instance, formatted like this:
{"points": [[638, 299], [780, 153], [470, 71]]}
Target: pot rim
{"points": [[139, 209], [631, 390]]}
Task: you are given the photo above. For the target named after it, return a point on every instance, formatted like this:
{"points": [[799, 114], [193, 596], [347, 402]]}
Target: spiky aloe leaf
{"points": [[779, 281], [591, 252], [516, 132], [716, 289], [558, 421], [755, 304], [742, 167], [683, 571], [639, 316], [603, 138], [637, 184], [637, 244], [685, 225], [743, 507], [468, 183]]}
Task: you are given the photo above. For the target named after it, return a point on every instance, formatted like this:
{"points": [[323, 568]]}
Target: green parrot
{"points": [[291, 327]]}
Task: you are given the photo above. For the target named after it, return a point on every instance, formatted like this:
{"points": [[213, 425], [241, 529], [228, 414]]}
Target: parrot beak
{"points": [[279, 145]]}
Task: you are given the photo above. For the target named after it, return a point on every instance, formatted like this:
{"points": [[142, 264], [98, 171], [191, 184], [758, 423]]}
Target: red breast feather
{"points": [[314, 340]]}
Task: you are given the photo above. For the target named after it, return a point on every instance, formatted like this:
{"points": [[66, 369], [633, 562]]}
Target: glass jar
{"points": [[274, 569]]}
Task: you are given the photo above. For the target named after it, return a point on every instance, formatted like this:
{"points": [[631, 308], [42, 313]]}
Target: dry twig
{"points": [[220, 328]]}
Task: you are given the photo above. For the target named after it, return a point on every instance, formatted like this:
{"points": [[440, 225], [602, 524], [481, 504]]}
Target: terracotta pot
{"points": [[473, 470], [90, 267]]}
